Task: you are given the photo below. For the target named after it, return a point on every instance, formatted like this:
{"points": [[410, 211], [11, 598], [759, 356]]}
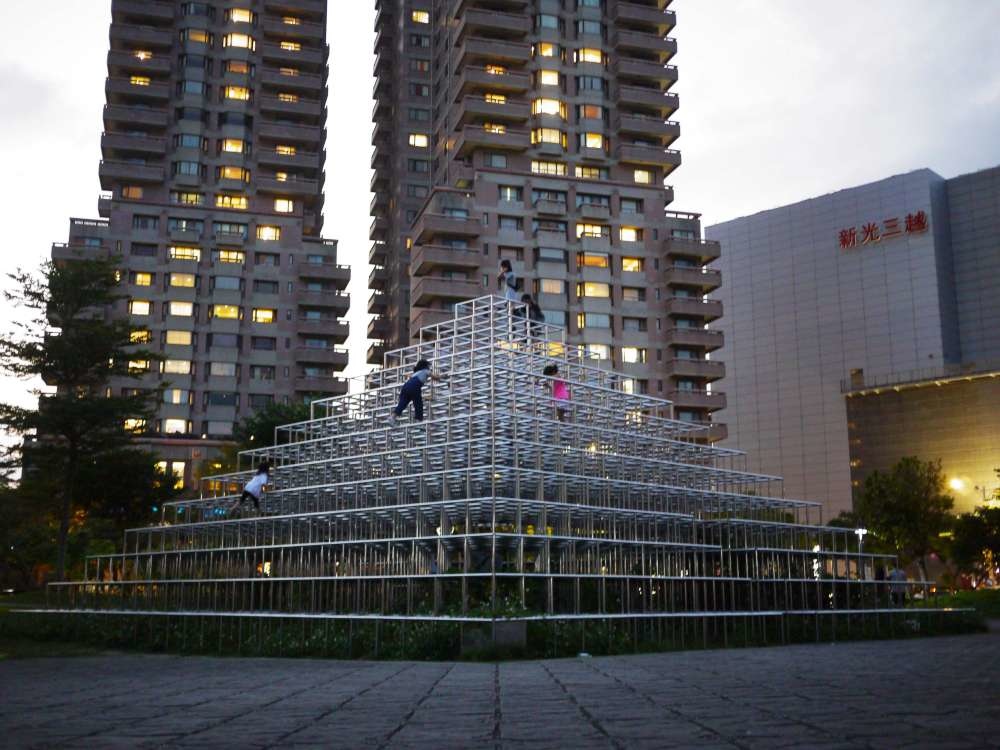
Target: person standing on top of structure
{"points": [[507, 281], [560, 391], [411, 392], [254, 489]]}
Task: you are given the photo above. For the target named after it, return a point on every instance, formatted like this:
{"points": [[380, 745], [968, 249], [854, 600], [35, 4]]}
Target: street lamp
{"points": [[861, 541]]}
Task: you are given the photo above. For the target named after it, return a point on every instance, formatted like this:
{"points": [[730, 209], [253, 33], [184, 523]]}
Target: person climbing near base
{"points": [[411, 392], [254, 489]]}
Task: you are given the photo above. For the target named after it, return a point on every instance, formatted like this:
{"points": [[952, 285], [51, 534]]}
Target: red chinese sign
{"points": [[873, 233]]}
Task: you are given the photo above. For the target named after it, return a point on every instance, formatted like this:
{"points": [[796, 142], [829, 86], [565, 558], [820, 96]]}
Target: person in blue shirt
{"points": [[411, 392]]}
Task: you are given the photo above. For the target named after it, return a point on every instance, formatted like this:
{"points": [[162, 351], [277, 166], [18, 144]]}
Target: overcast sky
{"points": [[780, 100]]}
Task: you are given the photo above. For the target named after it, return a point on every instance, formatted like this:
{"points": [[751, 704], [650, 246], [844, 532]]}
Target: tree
{"points": [[70, 342], [907, 507], [976, 536]]}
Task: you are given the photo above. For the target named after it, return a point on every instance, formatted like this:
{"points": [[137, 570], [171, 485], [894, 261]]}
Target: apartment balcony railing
{"points": [[493, 51], [639, 96], [122, 61], [472, 137], [648, 127], [116, 171], [304, 56], [331, 326], [427, 259], [327, 385], [477, 107], [704, 278], [496, 25], [340, 274], [477, 79], [378, 327], [705, 369], [377, 302], [429, 225], [625, 41], [426, 290], [304, 6], [303, 107], [142, 37], [378, 278], [286, 131], [706, 309], [652, 156], [657, 20], [698, 399], [302, 30], [132, 143], [123, 89], [302, 81], [703, 250], [329, 299], [143, 9], [705, 338], [125, 115], [329, 355]]}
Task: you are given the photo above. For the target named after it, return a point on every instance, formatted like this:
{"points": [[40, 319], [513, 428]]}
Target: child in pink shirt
{"points": [[560, 391]]}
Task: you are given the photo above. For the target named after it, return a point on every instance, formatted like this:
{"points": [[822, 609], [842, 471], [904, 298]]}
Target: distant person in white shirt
{"points": [[254, 489], [507, 281]]}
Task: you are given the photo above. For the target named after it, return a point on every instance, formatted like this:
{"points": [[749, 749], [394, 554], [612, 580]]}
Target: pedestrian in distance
{"points": [[411, 392], [560, 391], [898, 586], [507, 281], [535, 314], [254, 489]]}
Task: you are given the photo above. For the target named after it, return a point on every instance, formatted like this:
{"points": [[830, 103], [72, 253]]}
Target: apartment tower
{"points": [[213, 155], [540, 132]]}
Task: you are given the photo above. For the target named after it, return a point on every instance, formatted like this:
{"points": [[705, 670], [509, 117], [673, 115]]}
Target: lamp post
{"points": [[861, 562]]}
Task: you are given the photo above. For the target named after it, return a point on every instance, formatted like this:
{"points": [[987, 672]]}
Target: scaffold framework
{"points": [[503, 506]]}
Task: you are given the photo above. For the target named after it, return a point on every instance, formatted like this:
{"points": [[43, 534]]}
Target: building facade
{"points": [[843, 309], [540, 132], [213, 156]]}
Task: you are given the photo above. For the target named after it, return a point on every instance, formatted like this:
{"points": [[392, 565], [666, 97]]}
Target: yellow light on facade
{"points": [[956, 484]]}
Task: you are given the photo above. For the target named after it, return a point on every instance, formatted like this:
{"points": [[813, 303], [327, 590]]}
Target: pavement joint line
{"points": [[589, 716], [497, 708], [411, 712]]}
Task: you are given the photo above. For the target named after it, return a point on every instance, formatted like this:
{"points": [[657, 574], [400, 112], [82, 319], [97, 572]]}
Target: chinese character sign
{"points": [[873, 232]]}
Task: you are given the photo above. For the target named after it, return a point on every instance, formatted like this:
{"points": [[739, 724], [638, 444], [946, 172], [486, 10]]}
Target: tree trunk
{"points": [[68, 496]]}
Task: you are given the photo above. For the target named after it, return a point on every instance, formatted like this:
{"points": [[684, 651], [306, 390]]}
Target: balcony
{"points": [[112, 172], [495, 25], [125, 116], [339, 274], [304, 56], [633, 14], [376, 353], [550, 208], [698, 399], [706, 279], [302, 30], [141, 37], [129, 143], [706, 369], [301, 82], [378, 327], [378, 229], [302, 107], [377, 254], [332, 299], [476, 107], [313, 7], [123, 90], [653, 156], [426, 259], [423, 317], [300, 159], [377, 303], [329, 355], [645, 45], [299, 186], [705, 338], [477, 80], [474, 49], [147, 10], [287, 131], [329, 385], [426, 290], [639, 96], [593, 211], [472, 137], [428, 226], [128, 62], [649, 72], [706, 309], [325, 326], [703, 250], [648, 127], [378, 278]]}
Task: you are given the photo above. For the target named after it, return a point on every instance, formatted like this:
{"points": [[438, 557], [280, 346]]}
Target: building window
{"points": [[230, 228], [268, 232], [548, 77], [264, 315], [592, 140], [548, 107], [187, 199], [631, 206], [643, 177], [240, 15], [418, 114], [239, 93], [590, 112], [263, 343], [291, 46], [548, 167], [511, 223], [181, 309], [291, 21], [593, 289], [226, 312], [593, 320], [418, 140], [548, 49], [591, 173], [593, 260], [595, 231], [177, 367], [419, 66], [633, 355], [142, 279], [190, 168], [233, 146], [547, 21], [240, 174], [239, 67], [630, 234], [285, 150], [419, 40], [551, 286], [230, 256], [176, 395], [183, 252], [288, 98], [418, 165], [284, 205], [132, 192], [590, 55], [238, 202], [633, 294], [222, 369], [175, 426], [197, 36], [510, 193], [633, 324], [598, 351], [140, 307], [139, 80], [419, 90], [242, 41], [179, 338], [186, 280], [229, 283], [420, 16], [548, 135], [495, 160], [632, 264], [495, 98]]}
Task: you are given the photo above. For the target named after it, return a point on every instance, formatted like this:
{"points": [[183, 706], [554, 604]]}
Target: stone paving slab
{"points": [[929, 693]]}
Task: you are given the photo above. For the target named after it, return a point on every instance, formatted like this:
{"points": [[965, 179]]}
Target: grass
{"points": [[14, 646], [986, 602]]}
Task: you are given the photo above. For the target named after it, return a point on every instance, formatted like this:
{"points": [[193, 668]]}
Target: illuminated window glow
{"points": [[418, 140], [185, 280], [284, 205], [593, 140], [140, 307], [240, 15], [285, 150], [629, 234], [264, 315], [240, 202], [420, 16], [548, 77], [590, 55], [495, 98], [239, 93], [268, 233], [177, 366], [226, 312], [242, 41], [643, 177], [291, 46], [233, 145], [139, 80], [143, 279], [496, 70], [182, 309], [631, 264], [182, 252], [179, 338], [548, 167]]}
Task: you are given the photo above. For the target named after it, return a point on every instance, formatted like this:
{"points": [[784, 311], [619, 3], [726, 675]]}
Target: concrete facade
{"points": [[880, 283]]}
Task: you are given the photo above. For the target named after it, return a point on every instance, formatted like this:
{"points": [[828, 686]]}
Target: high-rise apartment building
{"points": [[540, 132], [213, 155]]}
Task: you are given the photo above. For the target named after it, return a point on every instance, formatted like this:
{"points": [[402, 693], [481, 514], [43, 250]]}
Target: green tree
{"points": [[907, 507], [70, 341], [975, 535]]}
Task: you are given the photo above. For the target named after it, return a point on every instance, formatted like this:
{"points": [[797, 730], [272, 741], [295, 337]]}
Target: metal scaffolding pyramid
{"points": [[495, 508]]}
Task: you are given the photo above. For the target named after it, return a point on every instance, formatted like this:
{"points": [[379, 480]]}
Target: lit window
{"points": [[291, 46], [629, 234], [177, 366], [284, 150], [231, 256], [182, 252], [548, 107], [134, 425], [599, 351], [548, 135], [231, 201], [182, 309], [643, 176], [593, 289], [244, 41], [593, 260], [143, 279], [186, 280], [228, 312], [240, 93], [173, 469], [284, 205], [591, 230], [494, 127], [551, 286], [418, 140], [269, 233], [132, 192], [633, 354], [240, 67], [264, 315], [631, 264], [548, 49], [548, 77], [495, 98], [240, 15], [143, 55], [288, 71], [234, 173], [171, 426], [197, 35], [222, 369], [593, 140], [291, 21], [590, 55], [179, 338], [175, 395], [591, 173], [420, 16], [496, 70], [140, 307], [138, 365], [187, 199], [289, 98], [593, 320], [548, 167], [233, 145], [139, 80], [140, 336]]}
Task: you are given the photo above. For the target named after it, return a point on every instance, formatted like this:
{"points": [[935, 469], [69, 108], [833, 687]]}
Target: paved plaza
{"points": [[935, 693]]}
